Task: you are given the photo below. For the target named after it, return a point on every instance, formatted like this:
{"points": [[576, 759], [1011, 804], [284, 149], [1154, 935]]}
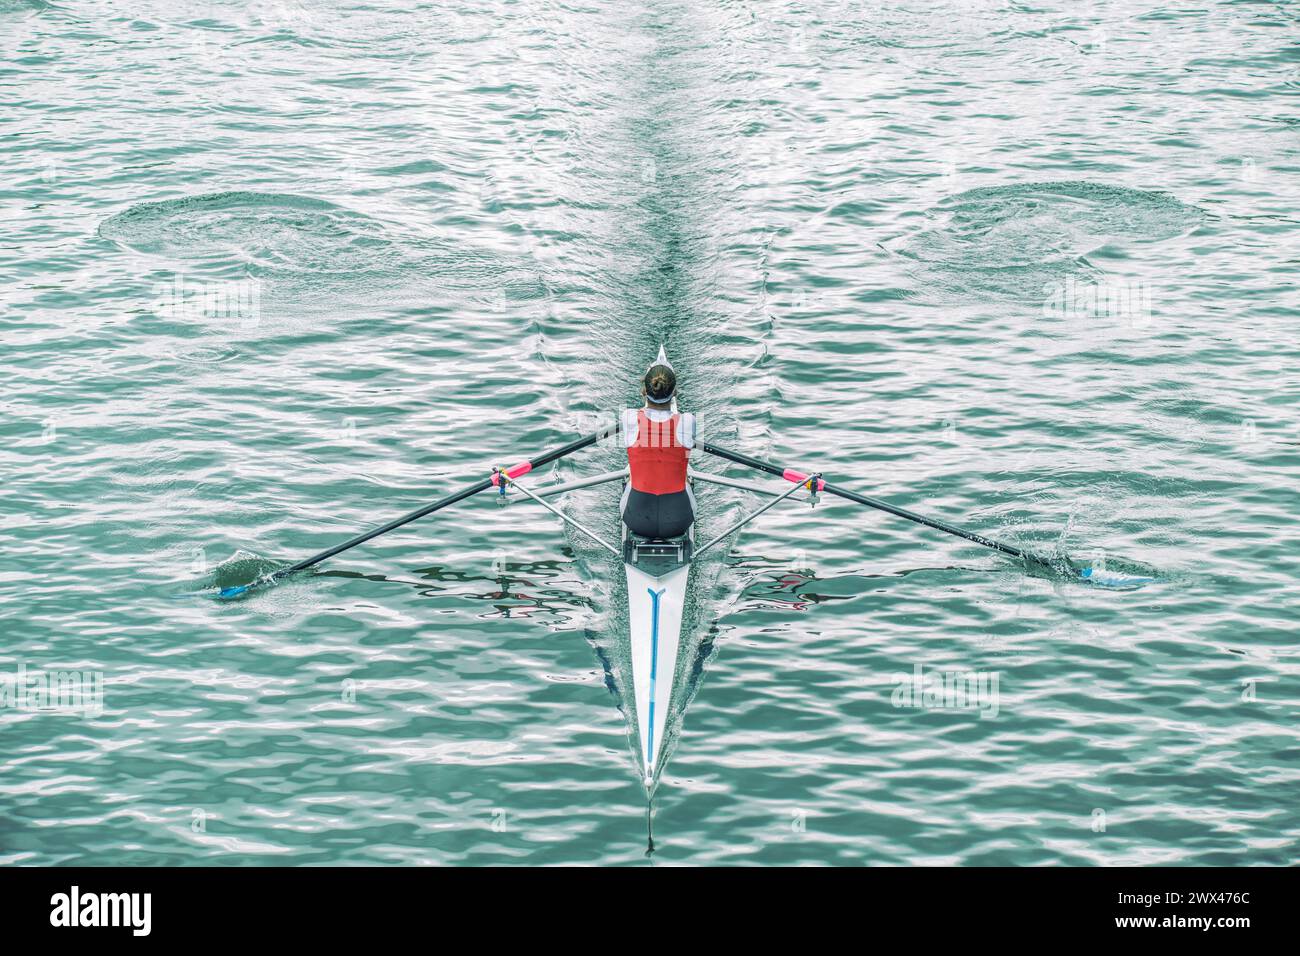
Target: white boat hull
{"points": [[655, 607]]}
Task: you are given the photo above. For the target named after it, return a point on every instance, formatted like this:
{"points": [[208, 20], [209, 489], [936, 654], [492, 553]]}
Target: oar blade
{"points": [[1115, 580]]}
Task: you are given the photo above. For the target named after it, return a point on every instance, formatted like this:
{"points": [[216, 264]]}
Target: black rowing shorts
{"points": [[658, 516]]}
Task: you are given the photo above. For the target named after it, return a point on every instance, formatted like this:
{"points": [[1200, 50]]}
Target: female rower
{"points": [[657, 502]]}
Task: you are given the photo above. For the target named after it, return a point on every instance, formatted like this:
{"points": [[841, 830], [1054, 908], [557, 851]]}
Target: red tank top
{"points": [[657, 460]]}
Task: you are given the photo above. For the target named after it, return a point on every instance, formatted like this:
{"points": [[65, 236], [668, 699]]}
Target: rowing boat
{"points": [[658, 573], [658, 570]]}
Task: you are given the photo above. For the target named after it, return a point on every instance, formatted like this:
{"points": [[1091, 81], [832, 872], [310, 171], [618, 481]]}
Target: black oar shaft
{"points": [[869, 502], [545, 459]]}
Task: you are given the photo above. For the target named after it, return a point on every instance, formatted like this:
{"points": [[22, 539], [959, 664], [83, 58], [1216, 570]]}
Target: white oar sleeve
{"points": [[629, 426], [686, 430]]}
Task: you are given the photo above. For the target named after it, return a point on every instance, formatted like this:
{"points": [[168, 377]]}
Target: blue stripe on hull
{"points": [[654, 676]]}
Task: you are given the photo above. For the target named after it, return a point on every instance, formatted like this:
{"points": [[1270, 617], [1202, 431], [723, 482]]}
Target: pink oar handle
{"points": [[798, 477], [523, 468]]}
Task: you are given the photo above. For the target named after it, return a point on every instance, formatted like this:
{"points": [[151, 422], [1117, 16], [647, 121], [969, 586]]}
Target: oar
{"points": [[1098, 576], [790, 474], [514, 472]]}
